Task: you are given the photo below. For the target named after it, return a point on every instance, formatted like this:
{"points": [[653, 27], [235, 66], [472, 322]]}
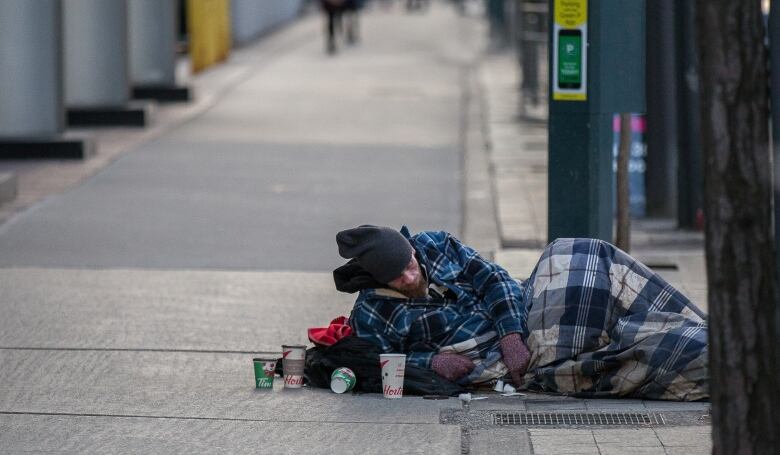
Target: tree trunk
{"points": [[739, 231]]}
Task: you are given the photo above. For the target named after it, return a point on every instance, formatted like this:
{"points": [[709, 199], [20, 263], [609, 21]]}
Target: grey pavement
{"points": [[29, 433], [163, 309], [166, 206], [295, 150], [136, 286]]}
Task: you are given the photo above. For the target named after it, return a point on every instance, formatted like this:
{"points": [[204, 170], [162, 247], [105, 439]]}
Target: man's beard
{"points": [[417, 290]]}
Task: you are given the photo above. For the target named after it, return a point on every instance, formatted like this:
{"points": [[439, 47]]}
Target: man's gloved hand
{"points": [[516, 356], [452, 366]]}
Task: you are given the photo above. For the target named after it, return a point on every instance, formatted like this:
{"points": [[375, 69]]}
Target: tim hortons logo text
{"points": [[293, 380], [393, 391]]}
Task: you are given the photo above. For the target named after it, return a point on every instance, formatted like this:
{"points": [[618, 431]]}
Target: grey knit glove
{"points": [[516, 356], [452, 366]]}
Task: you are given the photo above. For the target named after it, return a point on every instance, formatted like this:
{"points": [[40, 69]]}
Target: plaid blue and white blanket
{"points": [[601, 324]]}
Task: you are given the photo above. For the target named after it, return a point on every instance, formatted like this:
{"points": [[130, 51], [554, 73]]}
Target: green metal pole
{"points": [[582, 107]]}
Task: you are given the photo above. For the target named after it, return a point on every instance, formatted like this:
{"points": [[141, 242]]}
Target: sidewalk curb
{"points": [[480, 221], [517, 151]]}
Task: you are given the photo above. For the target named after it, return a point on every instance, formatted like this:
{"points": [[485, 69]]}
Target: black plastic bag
{"points": [[362, 357]]}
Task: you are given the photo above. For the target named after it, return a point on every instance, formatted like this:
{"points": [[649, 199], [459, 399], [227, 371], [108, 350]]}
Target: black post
{"points": [[774, 90], [690, 181], [661, 86]]}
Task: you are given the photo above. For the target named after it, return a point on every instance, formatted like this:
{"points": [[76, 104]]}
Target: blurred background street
{"points": [[297, 146]]}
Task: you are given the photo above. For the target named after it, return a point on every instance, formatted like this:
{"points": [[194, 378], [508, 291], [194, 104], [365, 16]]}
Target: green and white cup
{"points": [[342, 380], [264, 372]]}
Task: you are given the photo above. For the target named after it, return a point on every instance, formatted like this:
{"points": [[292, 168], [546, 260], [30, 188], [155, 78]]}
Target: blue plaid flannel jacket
{"points": [[468, 297]]}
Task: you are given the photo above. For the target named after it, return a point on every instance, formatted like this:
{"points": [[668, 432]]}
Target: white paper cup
{"points": [[393, 366], [294, 357]]}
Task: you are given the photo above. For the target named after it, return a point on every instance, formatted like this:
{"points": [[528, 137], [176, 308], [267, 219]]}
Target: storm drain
{"points": [[578, 418]]}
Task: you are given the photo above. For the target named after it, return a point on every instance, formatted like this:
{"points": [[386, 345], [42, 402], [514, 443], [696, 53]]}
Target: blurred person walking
{"points": [[416, 5], [341, 14]]}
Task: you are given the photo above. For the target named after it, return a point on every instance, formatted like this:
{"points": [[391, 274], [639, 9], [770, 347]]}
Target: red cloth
{"points": [[327, 336]]}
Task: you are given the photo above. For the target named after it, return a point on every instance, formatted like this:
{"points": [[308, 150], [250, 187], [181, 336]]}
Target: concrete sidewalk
{"points": [[125, 357]]}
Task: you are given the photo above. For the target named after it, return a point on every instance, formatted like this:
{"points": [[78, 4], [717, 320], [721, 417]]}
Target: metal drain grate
{"points": [[577, 418]]}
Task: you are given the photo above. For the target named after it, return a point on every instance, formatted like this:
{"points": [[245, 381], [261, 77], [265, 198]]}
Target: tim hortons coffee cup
{"points": [[393, 367], [342, 380], [293, 358], [264, 372]]}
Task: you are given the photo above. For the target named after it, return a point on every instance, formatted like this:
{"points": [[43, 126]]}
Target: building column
{"points": [[153, 26], [30, 91], [32, 117], [97, 76]]}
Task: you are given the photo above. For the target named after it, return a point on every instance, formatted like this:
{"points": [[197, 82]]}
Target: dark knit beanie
{"points": [[382, 251]]}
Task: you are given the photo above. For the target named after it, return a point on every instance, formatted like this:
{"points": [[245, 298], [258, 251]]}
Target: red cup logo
{"points": [[393, 391], [293, 380]]}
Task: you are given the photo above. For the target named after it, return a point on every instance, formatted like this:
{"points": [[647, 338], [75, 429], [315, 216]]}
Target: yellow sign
{"points": [[563, 96], [571, 13], [570, 50]]}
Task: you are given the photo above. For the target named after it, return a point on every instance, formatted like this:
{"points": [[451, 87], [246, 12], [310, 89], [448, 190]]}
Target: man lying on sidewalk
{"points": [[589, 321]]}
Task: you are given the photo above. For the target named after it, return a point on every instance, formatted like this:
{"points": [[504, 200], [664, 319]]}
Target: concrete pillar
{"points": [[97, 75], [31, 69], [96, 53], [153, 28], [31, 92], [152, 42]]}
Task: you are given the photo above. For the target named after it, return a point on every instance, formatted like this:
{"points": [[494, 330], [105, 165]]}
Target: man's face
{"points": [[411, 282]]}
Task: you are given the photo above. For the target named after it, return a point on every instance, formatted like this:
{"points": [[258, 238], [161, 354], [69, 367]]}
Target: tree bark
{"points": [[739, 230]]}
